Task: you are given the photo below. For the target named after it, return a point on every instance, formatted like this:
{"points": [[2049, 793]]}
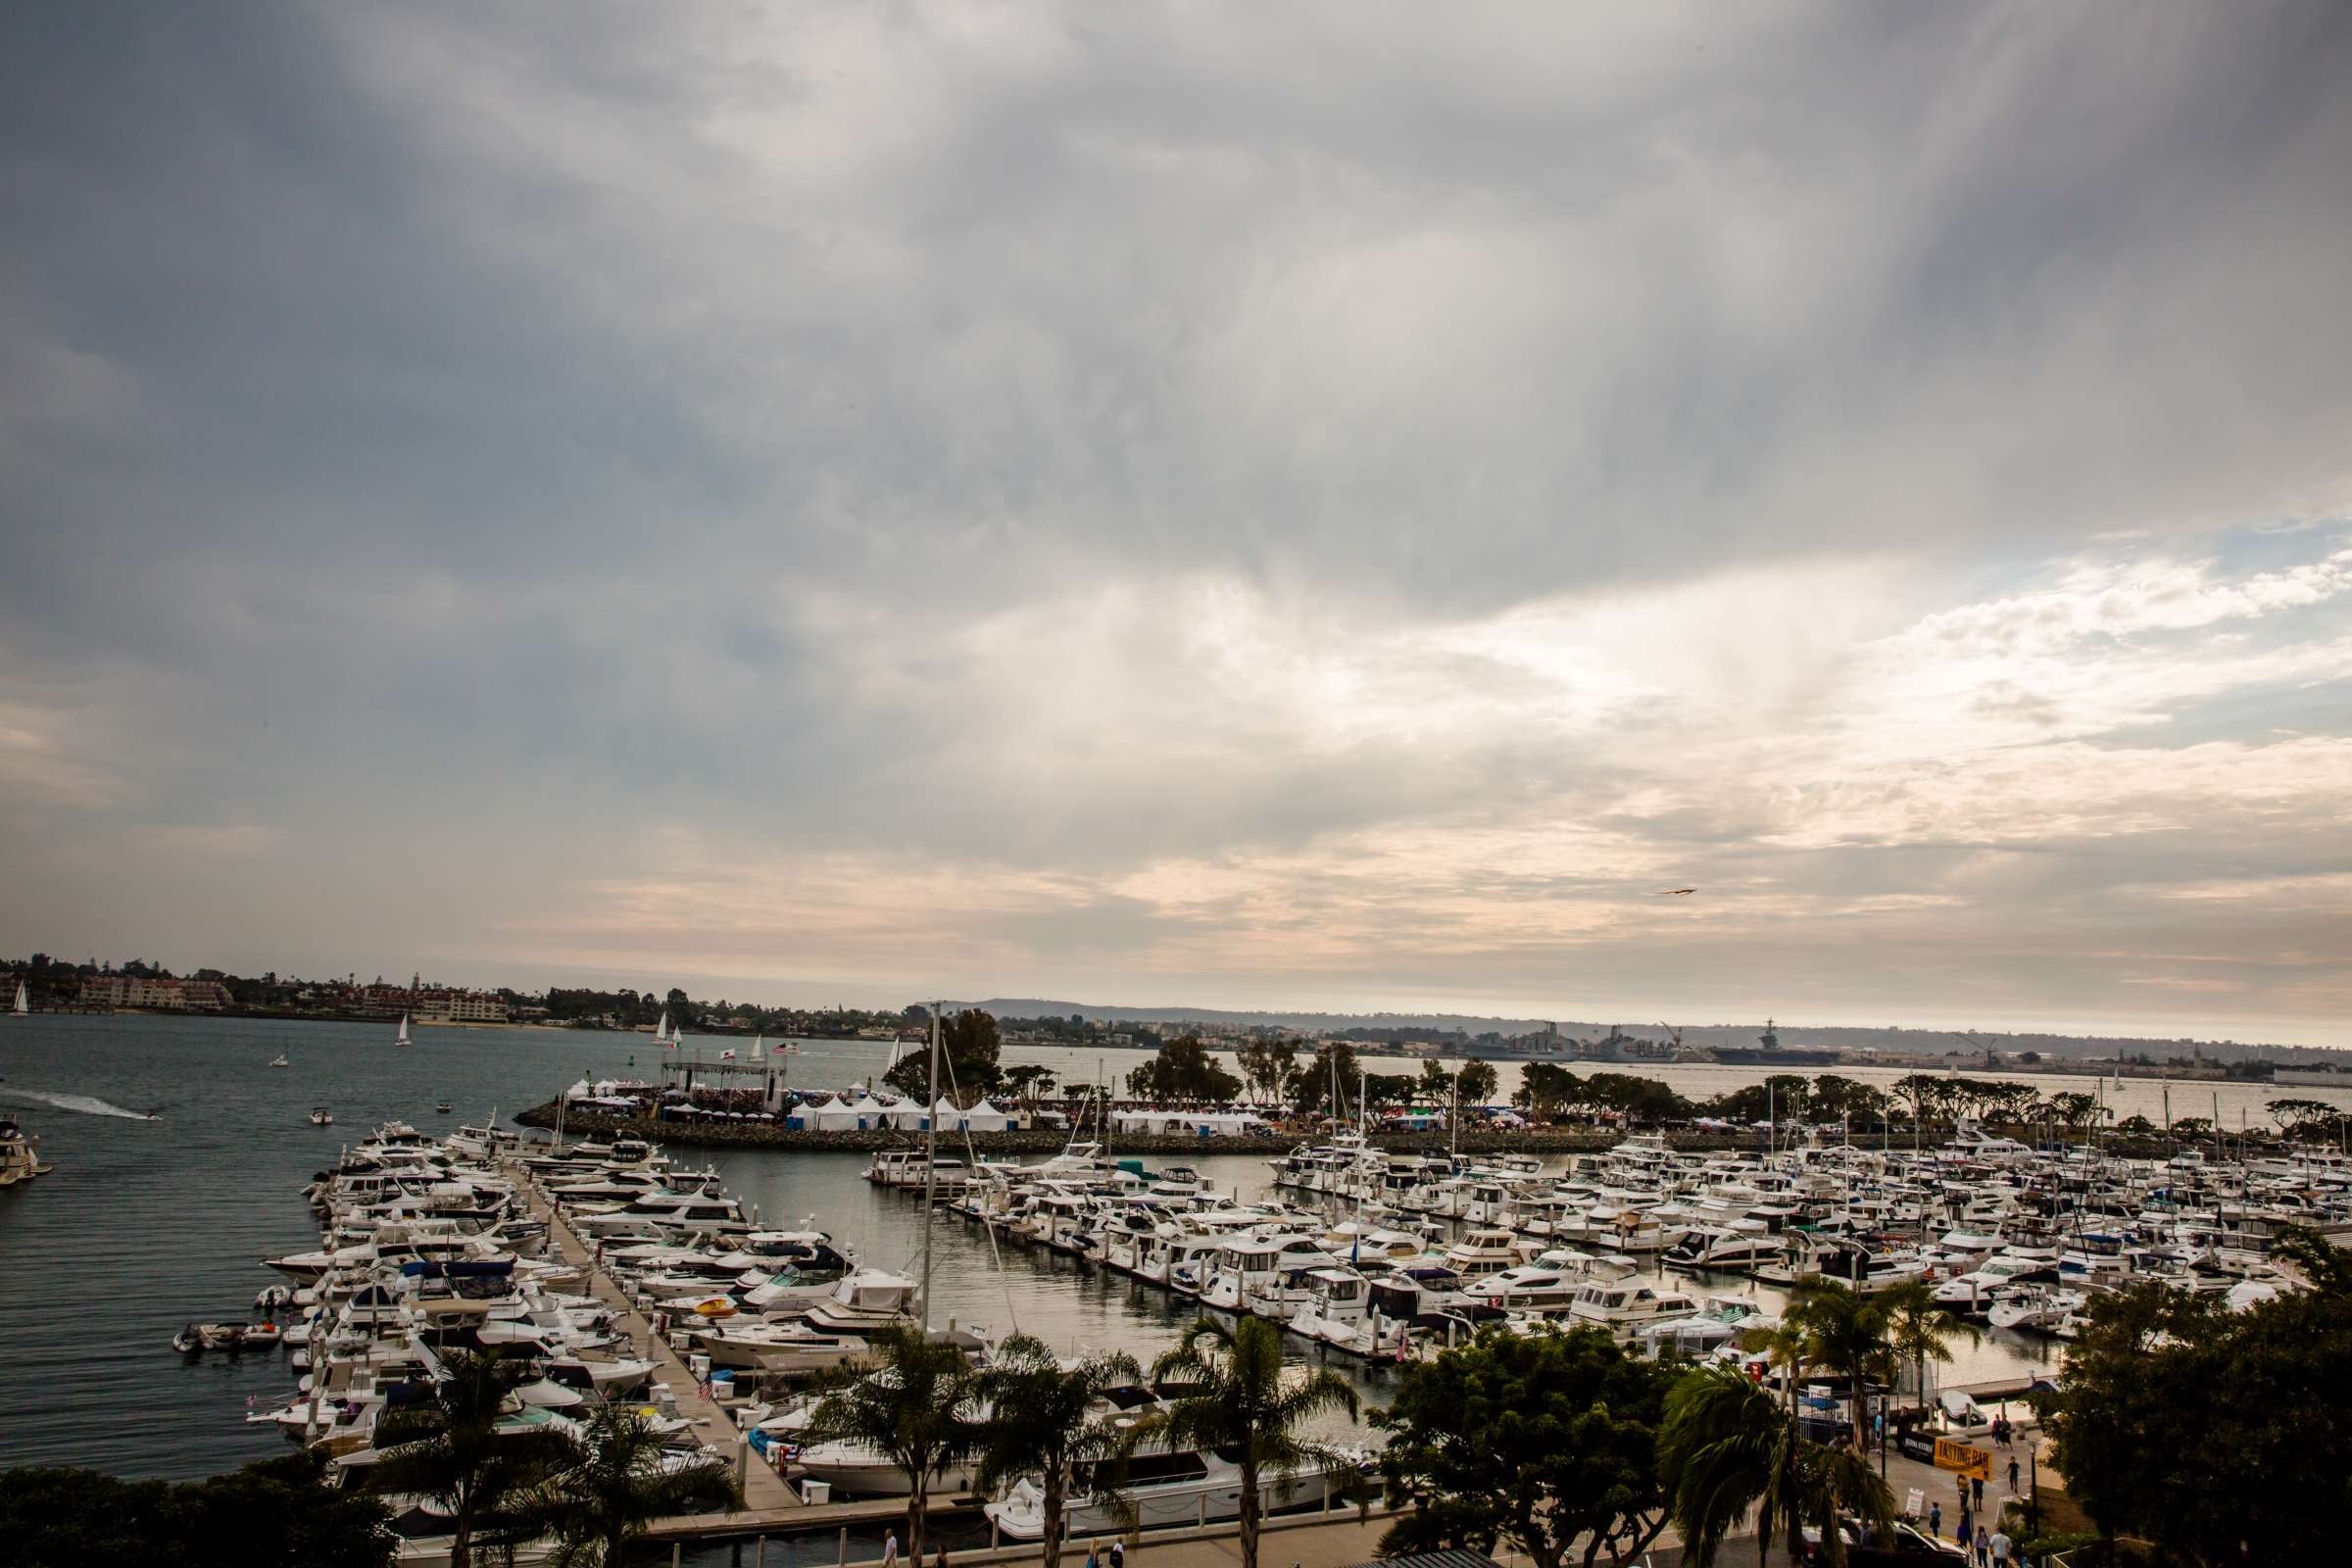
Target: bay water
{"points": [[145, 1225]]}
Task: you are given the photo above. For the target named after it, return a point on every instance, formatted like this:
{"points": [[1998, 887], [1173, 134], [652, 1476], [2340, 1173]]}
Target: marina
{"points": [[165, 1224]]}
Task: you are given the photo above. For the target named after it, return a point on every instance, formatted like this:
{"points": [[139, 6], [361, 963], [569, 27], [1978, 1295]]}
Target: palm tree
{"points": [[1725, 1446], [1845, 1331], [1786, 1348], [912, 1409], [451, 1450], [598, 1506], [1919, 1330], [1042, 1421], [1241, 1400]]}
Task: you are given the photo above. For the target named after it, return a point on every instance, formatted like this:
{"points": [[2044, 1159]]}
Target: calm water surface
{"points": [[145, 1225]]}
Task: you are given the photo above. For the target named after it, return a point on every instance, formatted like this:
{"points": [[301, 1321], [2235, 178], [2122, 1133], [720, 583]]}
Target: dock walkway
{"points": [[767, 1495]]}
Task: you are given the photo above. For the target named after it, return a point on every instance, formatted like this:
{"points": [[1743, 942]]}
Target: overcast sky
{"points": [[1326, 507]]}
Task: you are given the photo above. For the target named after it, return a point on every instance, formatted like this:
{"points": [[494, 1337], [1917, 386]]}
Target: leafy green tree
{"points": [[1238, 1398], [912, 1406], [1030, 1082], [1537, 1439], [1636, 1099], [1545, 1089], [2072, 1108], [1848, 1332], [1184, 1070], [610, 1487], [969, 1045], [278, 1513], [1268, 1067], [2226, 1437], [1726, 1446], [1479, 1081], [451, 1448], [2306, 1118], [1043, 1421], [1841, 1098], [1311, 1090]]}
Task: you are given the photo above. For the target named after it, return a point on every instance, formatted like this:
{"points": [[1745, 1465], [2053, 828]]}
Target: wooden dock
{"points": [[772, 1507], [766, 1495]]}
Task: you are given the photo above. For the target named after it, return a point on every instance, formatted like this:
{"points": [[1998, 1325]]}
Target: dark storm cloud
{"points": [[1075, 442]]}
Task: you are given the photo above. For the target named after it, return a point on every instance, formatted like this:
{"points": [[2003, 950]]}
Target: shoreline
{"points": [[2088, 1068], [1053, 1140]]}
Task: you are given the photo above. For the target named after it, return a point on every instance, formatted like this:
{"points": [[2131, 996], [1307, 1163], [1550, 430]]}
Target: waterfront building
{"points": [[149, 991]]}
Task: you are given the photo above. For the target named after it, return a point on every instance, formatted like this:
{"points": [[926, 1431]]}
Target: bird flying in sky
{"points": [[1672, 893]]}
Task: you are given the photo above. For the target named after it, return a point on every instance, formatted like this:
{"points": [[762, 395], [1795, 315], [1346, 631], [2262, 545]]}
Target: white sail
{"points": [[24, 1002], [404, 1030], [759, 1048], [662, 1029]]}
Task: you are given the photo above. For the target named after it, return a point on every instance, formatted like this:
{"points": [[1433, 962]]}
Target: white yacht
{"points": [[1484, 1251], [1256, 1269], [17, 1161], [1623, 1305], [1527, 1287], [1162, 1488]]}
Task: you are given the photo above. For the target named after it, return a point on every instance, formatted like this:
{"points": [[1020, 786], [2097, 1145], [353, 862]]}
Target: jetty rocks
{"points": [[1050, 1140]]}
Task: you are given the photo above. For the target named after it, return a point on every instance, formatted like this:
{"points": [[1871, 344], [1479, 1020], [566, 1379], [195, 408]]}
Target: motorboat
{"points": [[17, 1161], [1527, 1287], [1484, 1251], [1623, 1305], [2038, 1308], [1160, 1488], [1334, 1308], [320, 1117], [199, 1336]]}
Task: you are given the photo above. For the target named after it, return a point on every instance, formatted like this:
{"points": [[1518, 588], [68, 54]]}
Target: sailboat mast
{"points": [[1453, 1118], [930, 1161]]}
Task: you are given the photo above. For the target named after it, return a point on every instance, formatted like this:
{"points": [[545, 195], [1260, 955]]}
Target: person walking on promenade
{"points": [[1935, 1518], [2013, 1475], [890, 1550]]}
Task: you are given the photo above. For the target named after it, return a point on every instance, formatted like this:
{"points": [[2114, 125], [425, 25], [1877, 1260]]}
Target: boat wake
{"points": [[79, 1104]]}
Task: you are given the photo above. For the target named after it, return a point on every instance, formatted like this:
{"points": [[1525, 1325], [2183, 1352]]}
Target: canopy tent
{"points": [[831, 1116], [870, 1114], [986, 1118], [1189, 1123]]}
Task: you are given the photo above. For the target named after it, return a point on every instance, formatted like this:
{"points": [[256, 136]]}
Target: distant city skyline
{"points": [[1333, 509]]}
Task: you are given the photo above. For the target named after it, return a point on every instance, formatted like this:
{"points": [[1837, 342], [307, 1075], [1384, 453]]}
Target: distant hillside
{"points": [[1434, 1025]]}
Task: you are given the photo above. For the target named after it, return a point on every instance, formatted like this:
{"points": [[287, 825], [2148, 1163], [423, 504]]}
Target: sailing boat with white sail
{"points": [[24, 1007], [403, 1038]]}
